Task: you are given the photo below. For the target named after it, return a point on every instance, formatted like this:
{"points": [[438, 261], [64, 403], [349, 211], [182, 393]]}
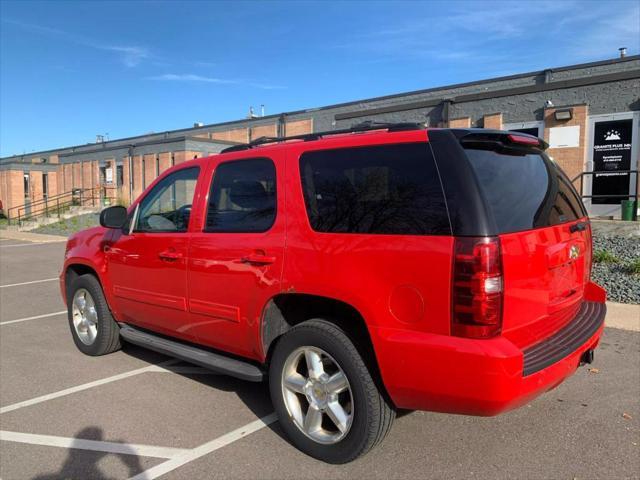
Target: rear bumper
{"points": [[481, 377]]}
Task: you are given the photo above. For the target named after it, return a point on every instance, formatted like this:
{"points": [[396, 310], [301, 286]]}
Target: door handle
{"points": [[170, 255], [258, 259]]}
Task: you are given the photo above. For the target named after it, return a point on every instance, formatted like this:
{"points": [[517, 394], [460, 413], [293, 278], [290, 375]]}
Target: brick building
{"points": [[588, 113]]}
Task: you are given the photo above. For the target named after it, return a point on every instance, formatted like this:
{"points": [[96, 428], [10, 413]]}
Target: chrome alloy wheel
{"points": [[317, 395], [85, 316]]}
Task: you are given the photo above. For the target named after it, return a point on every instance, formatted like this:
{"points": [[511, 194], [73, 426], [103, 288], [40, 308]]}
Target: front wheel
{"points": [[94, 330], [325, 397]]}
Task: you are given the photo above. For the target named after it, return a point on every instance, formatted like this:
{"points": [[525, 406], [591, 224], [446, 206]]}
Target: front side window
{"points": [[383, 189], [167, 207], [242, 197]]}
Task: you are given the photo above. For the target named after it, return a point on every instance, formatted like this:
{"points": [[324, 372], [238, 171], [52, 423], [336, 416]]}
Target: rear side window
{"points": [[386, 189], [525, 191], [242, 197]]}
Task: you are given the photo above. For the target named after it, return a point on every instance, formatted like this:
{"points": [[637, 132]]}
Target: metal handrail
{"points": [[592, 172], [53, 205]]}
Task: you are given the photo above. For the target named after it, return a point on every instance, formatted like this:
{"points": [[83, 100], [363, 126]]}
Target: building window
{"points": [[45, 185], [144, 180], [119, 176], [25, 178], [157, 165]]}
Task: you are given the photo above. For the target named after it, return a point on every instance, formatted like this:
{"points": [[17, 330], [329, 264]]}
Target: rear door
{"points": [[235, 261], [545, 239]]}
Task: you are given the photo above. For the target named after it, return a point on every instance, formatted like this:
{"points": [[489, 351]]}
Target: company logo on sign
{"points": [[612, 135]]}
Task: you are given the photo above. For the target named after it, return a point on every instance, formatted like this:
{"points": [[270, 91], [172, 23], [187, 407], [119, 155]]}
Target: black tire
{"points": [[372, 414], [108, 332]]}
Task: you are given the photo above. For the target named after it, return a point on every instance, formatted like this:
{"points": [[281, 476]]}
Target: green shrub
{"points": [[604, 256], [634, 267]]}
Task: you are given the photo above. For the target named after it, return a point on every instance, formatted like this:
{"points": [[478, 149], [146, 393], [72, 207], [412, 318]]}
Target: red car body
{"points": [[199, 287]]}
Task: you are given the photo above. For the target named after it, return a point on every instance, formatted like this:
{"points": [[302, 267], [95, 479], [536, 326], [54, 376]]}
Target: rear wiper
{"points": [[578, 227]]}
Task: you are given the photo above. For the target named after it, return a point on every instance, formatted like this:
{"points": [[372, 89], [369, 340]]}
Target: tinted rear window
{"points": [[525, 191], [385, 189]]}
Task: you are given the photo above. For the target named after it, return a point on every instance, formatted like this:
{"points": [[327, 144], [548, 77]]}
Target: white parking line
{"points": [[28, 283], [205, 448], [95, 445], [9, 322], [79, 388]]}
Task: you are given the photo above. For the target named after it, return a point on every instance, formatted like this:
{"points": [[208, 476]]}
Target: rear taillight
{"points": [[477, 287]]}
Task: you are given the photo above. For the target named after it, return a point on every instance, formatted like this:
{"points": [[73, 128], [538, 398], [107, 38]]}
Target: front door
{"points": [[148, 267], [613, 156], [235, 262]]}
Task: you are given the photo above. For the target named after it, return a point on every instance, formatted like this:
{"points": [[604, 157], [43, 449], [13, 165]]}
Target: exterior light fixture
{"points": [[564, 114]]}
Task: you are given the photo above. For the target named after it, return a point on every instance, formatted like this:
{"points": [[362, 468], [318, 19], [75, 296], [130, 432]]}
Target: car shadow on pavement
{"points": [[82, 463], [255, 396]]}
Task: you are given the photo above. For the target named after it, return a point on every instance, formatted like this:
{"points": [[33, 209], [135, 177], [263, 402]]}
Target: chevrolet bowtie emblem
{"points": [[574, 251]]}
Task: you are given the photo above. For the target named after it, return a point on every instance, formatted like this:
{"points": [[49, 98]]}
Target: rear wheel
{"points": [[325, 396], [93, 328]]}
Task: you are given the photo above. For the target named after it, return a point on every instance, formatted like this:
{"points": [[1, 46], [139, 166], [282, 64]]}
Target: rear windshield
{"points": [[384, 189], [525, 191]]}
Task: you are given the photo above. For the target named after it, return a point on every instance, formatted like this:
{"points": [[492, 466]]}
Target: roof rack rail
{"points": [[359, 127]]}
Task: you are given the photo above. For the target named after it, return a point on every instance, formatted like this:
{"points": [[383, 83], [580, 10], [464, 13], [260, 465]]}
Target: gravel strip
{"points": [[621, 286]]}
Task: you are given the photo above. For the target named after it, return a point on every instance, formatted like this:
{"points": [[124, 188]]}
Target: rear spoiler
{"points": [[500, 141]]}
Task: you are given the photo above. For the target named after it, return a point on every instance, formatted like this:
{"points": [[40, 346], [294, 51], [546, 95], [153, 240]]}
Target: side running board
{"points": [[204, 358]]}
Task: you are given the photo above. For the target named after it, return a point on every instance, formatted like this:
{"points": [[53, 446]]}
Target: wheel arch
{"points": [[286, 310], [75, 269]]}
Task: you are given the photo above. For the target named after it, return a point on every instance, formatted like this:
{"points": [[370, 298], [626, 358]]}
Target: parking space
{"points": [[138, 414]]}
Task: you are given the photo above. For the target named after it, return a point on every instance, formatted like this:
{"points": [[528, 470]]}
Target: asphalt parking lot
{"points": [[138, 414]]}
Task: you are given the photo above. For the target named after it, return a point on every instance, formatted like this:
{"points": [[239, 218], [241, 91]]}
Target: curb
{"points": [[31, 237], [623, 315]]}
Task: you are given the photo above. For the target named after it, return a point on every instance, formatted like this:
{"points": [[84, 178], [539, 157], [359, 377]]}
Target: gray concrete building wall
{"points": [[596, 88]]}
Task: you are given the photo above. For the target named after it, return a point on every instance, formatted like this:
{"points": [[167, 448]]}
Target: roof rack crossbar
{"points": [[359, 127]]}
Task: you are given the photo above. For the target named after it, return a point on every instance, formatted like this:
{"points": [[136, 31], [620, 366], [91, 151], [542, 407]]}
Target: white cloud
{"points": [[129, 55], [607, 30], [191, 77]]}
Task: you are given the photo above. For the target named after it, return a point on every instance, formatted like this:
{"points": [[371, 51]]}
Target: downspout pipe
{"points": [[131, 147]]}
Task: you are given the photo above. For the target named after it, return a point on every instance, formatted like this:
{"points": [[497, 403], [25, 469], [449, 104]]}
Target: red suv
{"points": [[361, 271]]}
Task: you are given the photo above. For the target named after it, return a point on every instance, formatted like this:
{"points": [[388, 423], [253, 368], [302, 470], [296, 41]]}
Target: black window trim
{"points": [[133, 212], [372, 145], [209, 192]]}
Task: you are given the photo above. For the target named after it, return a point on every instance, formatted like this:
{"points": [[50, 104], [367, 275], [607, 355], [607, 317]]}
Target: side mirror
{"points": [[113, 217]]}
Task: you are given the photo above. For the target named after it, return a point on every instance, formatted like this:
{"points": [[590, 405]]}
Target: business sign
{"points": [[611, 156], [109, 175]]}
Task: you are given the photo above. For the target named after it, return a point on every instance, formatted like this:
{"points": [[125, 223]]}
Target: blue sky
{"points": [[71, 70]]}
